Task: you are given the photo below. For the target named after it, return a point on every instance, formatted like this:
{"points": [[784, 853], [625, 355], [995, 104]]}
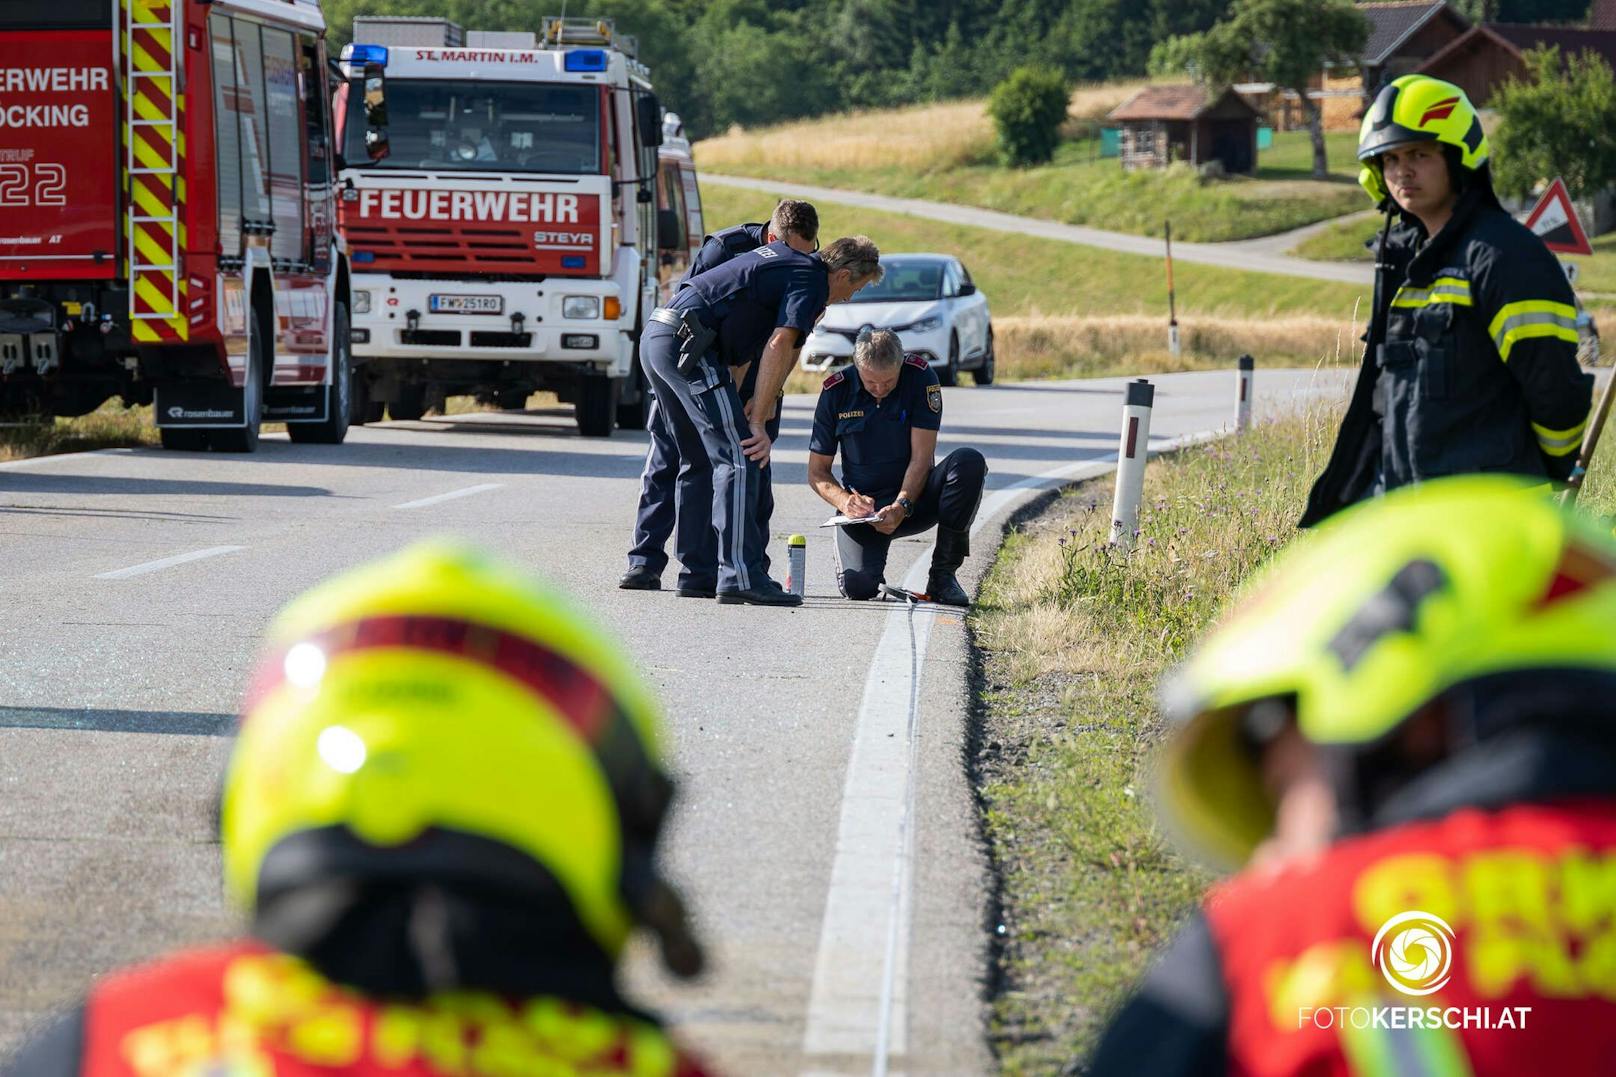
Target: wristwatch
{"points": [[908, 506]]}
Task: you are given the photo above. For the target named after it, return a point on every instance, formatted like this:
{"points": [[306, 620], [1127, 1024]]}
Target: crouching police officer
{"points": [[441, 818], [795, 224], [885, 415], [1405, 729], [765, 301], [1472, 348]]}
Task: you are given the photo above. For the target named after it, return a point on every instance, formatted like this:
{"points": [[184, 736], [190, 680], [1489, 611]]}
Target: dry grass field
{"points": [[933, 137]]}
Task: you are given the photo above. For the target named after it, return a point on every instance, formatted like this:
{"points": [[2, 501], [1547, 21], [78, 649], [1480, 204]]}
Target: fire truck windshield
{"points": [[484, 126]]}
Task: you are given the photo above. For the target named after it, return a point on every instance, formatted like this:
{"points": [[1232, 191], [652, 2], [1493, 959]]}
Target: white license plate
{"points": [[465, 304]]}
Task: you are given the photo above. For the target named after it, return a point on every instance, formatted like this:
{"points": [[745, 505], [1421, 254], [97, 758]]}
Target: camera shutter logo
{"points": [[1414, 951]]}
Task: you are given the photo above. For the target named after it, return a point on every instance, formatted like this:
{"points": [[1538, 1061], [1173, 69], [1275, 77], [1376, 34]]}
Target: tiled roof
{"points": [[1602, 15], [1389, 24], [1179, 102]]}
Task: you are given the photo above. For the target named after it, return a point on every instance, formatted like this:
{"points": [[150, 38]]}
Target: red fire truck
{"points": [[167, 218], [502, 221]]}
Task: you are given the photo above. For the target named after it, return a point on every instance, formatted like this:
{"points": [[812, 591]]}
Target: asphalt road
{"points": [[1263, 255], [825, 833]]}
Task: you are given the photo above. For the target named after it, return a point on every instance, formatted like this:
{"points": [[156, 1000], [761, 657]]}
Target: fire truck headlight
{"points": [[361, 302], [584, 308]]}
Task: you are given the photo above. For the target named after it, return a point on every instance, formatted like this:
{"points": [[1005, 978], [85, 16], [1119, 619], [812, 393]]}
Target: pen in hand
{"points": [[857, 505]]}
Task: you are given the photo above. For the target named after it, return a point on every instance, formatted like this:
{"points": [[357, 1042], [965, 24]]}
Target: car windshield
{"points": [[906, 281], [485, 126]]}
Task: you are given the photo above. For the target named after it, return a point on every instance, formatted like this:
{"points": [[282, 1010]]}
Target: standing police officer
{"points": [[885, 417], [1472, 357], [797, 225], [768, 299]]}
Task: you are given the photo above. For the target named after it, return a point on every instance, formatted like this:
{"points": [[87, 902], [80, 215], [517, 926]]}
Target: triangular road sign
{"points": [[1556, 222]]}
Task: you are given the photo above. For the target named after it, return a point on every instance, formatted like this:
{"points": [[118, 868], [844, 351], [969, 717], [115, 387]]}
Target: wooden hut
{"points": [[1163, 124]]}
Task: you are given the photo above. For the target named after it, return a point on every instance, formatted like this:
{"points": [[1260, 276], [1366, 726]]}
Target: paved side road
{"points": [[1258, 256], [825, 830]]}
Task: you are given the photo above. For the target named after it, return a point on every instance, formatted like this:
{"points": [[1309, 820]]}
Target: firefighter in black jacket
{"points": [[1472, 357]]}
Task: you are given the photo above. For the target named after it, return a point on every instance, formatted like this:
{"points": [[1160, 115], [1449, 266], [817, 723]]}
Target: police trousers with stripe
{"points": [[670, 481], [704, 414]]}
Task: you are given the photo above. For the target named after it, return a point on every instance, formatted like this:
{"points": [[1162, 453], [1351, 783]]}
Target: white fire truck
{"points": [[167, 229], [499, 203]]}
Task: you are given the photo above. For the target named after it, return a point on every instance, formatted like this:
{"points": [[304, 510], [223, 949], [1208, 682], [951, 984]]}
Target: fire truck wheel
{"points": [[245, 438], [597, 405], [340, 394], [179, 439], [632, 415], [409, 404]]}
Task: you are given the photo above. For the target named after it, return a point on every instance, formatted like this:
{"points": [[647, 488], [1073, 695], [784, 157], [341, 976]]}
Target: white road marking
{"points": [[167, 562], [858, 1004], [450, 496]]}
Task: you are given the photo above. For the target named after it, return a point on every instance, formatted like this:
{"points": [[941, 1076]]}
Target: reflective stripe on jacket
{"points": [[244, 1009], [1471, 366]]}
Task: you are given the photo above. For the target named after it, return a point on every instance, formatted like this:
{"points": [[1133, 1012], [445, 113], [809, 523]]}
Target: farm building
{"points": [[1163, 124]]}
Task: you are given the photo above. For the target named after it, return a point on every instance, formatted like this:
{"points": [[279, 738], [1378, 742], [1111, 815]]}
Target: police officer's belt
{"points": [[695, 339]]}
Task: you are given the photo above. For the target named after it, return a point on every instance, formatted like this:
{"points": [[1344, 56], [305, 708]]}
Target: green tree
{"points": [[1028, 109], [1560, 120], [1286, 42]]}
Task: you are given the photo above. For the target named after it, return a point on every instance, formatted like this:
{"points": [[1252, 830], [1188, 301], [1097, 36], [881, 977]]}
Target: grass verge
{"points": [[111, 426], [1024, 275], [1073, 639], [946, 153], [1065, 311]]}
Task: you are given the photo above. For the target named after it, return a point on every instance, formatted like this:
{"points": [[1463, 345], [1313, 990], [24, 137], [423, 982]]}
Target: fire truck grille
{"points": [[476, 251]]}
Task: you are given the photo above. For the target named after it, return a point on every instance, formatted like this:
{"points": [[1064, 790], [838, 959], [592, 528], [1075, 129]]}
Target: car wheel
{"points": [[949, 375], [983, 375]]}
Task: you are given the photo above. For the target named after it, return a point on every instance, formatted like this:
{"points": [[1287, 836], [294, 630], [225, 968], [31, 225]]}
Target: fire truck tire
{"points": [[245, 438], [632, 416], [179, 439], [339, 395], [596, 408], [409, 404]]}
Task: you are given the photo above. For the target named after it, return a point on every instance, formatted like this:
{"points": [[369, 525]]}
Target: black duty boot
{"points": [[640, 578], [952, 549]]}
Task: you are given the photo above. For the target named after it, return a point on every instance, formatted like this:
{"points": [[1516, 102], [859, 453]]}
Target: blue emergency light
{"points": [[365, 54], [572, 261], [363, 257], [586, 60]]}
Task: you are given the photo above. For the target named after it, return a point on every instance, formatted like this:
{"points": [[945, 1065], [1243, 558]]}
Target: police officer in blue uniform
{"points": [[884, 413], [797, 224], [767, 300]]}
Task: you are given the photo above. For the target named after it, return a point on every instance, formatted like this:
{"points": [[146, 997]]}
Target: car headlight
{"points": [[926, 325], [580, 307], [361, 302]]}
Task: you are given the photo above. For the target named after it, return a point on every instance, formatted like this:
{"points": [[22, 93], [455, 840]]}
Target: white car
{"points": [[930, 302]]}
